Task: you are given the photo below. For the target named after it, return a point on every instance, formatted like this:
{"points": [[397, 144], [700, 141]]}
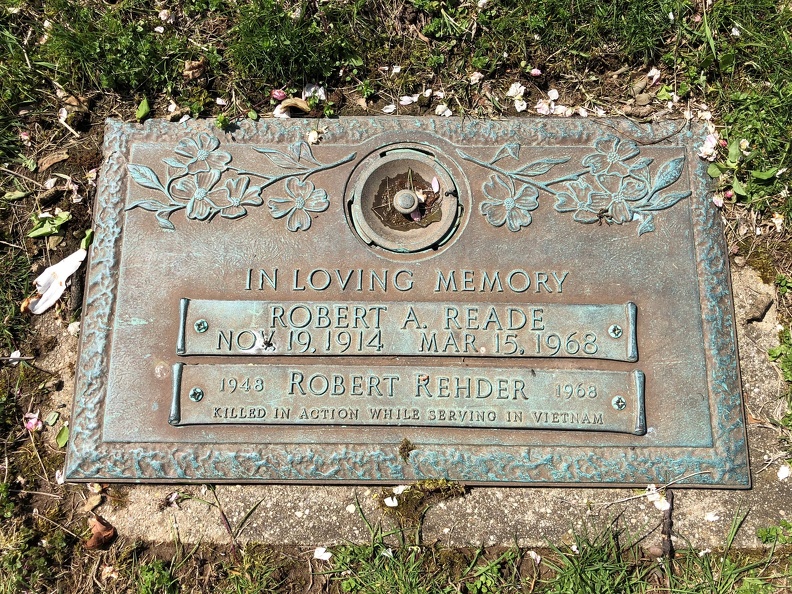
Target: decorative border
{"points": [[90, 458]]}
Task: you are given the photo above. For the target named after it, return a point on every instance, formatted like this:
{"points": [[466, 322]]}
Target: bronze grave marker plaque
{"points": [[532, 301]]}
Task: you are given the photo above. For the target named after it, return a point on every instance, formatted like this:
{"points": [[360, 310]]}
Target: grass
{"points": [[734, 57]]}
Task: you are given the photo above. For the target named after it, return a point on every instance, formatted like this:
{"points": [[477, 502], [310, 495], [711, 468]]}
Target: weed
{"points": [[258, 573], [782, 354], [783, 284], [598, 564], [14, 270], [781, 534], [155, 578]]}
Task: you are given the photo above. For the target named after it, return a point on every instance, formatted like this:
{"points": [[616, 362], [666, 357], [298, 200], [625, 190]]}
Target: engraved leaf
{"points": [[669, 172], [302, 152], [150, 205], [511, 149], [641, 163], [540, 167], [163, 216], [145, 177], [282, 160], [646, 226], [667, 200], [174, 163]]}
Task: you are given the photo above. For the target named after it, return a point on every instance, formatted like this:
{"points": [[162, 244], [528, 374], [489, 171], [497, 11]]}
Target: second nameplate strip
{"points": [[505, 398]]}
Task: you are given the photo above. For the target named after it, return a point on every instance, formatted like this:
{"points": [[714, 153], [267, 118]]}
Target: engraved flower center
{"points": [[508, 203], [233, 201], [200, 194], [299, 202], [613, 156], [202, 155]]}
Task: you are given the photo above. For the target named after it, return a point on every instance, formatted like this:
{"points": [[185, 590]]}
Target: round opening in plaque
{"points": [[404, 200]]}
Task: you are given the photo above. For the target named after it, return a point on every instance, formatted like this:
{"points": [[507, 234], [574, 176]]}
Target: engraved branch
{"points": [[616, 187], [197, 181]]}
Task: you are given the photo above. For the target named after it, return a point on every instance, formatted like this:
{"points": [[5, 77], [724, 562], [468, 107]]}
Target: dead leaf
{"points": [[49, 160], [361, 102], [195, 68], [92, 503], [298, 103], [102, 533], [74, 103]]}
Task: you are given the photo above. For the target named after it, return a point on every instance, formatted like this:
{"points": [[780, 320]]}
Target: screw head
{"points": [[615, 331], [201, 326], [196, 394], [619, 403]]}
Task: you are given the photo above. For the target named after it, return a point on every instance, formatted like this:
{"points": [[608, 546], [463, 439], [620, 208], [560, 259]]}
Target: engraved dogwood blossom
{"points": [[200, 154], [239, 194], [303, 198], [197, 190], [610, 156], [505, 205]]}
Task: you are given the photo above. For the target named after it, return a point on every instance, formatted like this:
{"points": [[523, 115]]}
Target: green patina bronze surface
{"points": [[532, 301]]}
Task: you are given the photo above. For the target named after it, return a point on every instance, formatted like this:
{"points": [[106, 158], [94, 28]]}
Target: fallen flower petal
{"points": [[15, 358], [599, 112], [516, 90], [391, 502], [783, 472], [443, 110], [704, 552], [476, 78], [552, 94], [728, 194], [735, 32], [778, 221], [395, 69], [536, 72], [59, 477], [389, 108], [314, 90], [582, 112], [717, 200], [653, 75], [278, 94], [322, 554], [711, 517], [32, 422], [313, 137], [662, 504], [281, 112], [51, 283], [537, 558], [351, 508], [435, 185], [387, 553], [406, 100], [543, 107], [400, 489], [520, 105]]}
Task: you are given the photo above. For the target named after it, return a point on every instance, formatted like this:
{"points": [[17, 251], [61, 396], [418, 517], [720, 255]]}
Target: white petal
{"points": [[443, 110], [476, 78], [314, 90], [387, 553], [438, 94], [515, 90], [73, 328], [389, 108], [184, 118], [537, 558], [406, 100], [582, 112], [281, 112], [221, 101], [520, 105], [391, 502], [427, 93], [552, 94], [313, 137], [351, 508], [396, 70], [59, 477], [662, 504], [711, 517], [322, 554], [400, 489], [159, 30], [599, 112], [435, 185], [51, 283], [783, 472]]}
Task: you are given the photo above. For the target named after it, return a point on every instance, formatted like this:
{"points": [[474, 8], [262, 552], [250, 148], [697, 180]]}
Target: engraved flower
{"points": [[200, 154], [504, 205], [582, 199], [611, 154], [239, 194], [620, 191], [197, 190], [303, 198]]}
